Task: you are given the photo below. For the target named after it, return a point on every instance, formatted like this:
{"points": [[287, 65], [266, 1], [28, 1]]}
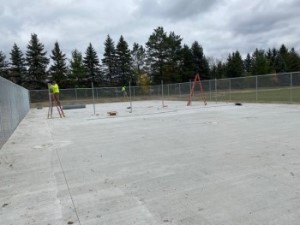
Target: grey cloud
{"points": [[261, 24], [174, 10], [219, 26], [258, 24], [264, 17]]}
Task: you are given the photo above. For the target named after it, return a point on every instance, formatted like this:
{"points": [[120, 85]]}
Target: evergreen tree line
{"points": [[163, 57]]}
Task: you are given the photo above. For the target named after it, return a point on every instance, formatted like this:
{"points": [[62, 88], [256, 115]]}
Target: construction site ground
{"points": [[154, 164]]}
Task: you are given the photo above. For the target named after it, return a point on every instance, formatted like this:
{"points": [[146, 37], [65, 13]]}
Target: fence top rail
{"points": [[182, 83], [264, 75]]}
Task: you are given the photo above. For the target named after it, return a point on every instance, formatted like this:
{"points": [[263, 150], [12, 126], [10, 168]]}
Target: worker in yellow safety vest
{"points": [[124, 91], [54, 91]]}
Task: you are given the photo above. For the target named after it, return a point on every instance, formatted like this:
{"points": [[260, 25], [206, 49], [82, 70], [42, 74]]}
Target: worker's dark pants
{"points": [[55, 97]]}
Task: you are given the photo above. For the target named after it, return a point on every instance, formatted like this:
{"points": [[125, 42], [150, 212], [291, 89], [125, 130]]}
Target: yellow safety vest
{"points": [[54, 88]]}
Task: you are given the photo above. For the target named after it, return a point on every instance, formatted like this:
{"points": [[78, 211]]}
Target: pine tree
{"points": [[284, 53], [157, 54], [123, 63], [18, 69], [58, 69], [37, 63], [109, 60], [283, 50], [3, 65], [279, 64], [260, 64], [234, 66], [77, 73], [138, 55], [187, 64], [218, 70], [271, 58], [294, 61], [200, 62], [248, 65], [91, 64], [213, 71], [221, 70], [173, 59]]}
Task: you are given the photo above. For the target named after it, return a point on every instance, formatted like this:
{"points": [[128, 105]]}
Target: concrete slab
{"points": [[216, 164]]}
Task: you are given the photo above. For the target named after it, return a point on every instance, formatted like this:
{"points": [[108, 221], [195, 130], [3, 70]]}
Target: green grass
{"points": [[270, 95], [263, 95]]}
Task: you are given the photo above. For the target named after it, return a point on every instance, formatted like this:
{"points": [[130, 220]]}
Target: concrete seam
{"points": [[68, 187]]}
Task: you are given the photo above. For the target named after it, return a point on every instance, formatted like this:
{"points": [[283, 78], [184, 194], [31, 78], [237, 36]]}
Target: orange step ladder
{"points": [[197, 80]]}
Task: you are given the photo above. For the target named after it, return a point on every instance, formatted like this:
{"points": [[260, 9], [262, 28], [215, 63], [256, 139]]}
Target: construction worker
{"points": [[124, 91], [54, 94], [54, 90]]}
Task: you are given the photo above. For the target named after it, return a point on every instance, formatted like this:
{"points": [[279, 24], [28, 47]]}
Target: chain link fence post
{"points": [[291, 87]]}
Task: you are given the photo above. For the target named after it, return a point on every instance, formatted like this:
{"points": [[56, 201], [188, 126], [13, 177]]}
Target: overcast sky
{"points": [[220, 26]]}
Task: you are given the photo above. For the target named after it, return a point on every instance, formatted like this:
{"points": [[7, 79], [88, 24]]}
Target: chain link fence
{"points": [[14, 105], [273, 88]]}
